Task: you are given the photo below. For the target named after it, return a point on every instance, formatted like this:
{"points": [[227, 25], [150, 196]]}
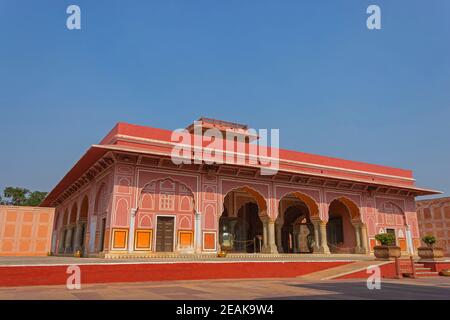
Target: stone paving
{"points": [[292, 288]]}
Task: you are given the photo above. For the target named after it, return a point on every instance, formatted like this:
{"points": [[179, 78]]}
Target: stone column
{"points": [[265, 235], [357, 227], [270, 246], [323, 238], [92, 234], [409, 240], [316, 247], [279, 227], [77, 237], [131, 232], [364, 240], [68, 241], [62, 241], [198, 232]]}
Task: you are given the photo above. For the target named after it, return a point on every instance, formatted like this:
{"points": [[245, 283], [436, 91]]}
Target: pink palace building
{"points": [[126, 197]]}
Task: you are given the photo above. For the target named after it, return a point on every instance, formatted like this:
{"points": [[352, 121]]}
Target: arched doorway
{"points": [[70, 232], [241, 228], [81, 225], [295, 230], [63, 231], [97, 226], [345, 230]]}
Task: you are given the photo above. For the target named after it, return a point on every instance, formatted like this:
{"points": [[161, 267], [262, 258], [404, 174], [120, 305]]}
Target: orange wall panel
{"points": [[209, 240], [25, 231], [119, 238], [143, 239], [185, 239]]}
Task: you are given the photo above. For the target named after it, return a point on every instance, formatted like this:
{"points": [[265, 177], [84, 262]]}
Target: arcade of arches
{"points": [[298, 229]]}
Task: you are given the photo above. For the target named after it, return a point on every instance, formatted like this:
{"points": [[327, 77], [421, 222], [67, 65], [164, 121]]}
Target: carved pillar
{"points": [[77, 235], [265, 235], [364, 240], [357, 227], [279, 227], [92, 234], [409, 240], [132, 228], [323, 238], [269, 227], [316, 247], [62, 241], [198, 232], [68, 241]]}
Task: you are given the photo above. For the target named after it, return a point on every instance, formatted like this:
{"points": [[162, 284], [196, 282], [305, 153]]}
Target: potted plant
{"points": [[430, 251], [387, 250]]}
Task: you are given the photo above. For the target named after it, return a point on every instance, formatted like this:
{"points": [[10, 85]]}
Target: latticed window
{"points": [[166, 202]]}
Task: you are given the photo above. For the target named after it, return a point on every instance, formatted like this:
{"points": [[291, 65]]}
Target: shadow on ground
{"points": [[359, 290]]}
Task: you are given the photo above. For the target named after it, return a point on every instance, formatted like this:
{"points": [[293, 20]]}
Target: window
{"points": [[166, 202], [392, 231]]}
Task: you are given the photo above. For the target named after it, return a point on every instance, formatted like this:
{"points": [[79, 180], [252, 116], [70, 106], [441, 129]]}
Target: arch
{"points": [[352, 207], [73, 213], [84, 209], [240, 227], [295, 230], [312, 205], [260, 200], [99, 198], [65, 217], [149, 188]]}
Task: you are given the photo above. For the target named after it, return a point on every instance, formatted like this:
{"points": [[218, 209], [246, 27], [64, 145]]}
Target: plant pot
{"points": [[445, 273], [429, 253], [222, 254], [387, 252]]}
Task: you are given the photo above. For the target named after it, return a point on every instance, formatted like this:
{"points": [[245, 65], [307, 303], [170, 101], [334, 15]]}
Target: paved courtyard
{"points": [[293, 288]]}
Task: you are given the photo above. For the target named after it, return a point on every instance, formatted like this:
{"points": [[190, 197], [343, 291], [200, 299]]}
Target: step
{"points": [[427, 274], [419, 265], [340, 271], [422, 269]]}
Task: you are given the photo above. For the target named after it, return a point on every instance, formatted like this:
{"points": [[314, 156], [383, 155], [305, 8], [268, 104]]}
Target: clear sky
{"points": [[310, 68]]}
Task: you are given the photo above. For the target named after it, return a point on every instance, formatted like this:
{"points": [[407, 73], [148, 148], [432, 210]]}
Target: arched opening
{"points": [[82, 225], [294, 227], [98, 221], [63, 231], [344, 227], [71, 229], [240, 225]]}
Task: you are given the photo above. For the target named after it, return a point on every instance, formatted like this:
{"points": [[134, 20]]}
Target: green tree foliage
{"points": [[17, 196]]}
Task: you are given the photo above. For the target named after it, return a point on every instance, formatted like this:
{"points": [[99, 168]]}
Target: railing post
{"points": [[397, 268], [413, 267]]}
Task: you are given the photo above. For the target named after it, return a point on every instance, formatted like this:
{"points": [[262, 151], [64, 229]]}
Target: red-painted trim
{"points": [[104, 273]]}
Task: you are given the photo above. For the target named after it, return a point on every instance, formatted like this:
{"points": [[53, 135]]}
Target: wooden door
{"points": [[164, 234]]}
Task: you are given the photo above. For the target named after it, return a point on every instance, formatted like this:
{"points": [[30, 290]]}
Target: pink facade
{"points": [[126, 197], [434, 219]]}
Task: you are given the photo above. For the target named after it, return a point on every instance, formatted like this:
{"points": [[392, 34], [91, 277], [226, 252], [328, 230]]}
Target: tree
{"points": [[35, 198], [17, 196]]}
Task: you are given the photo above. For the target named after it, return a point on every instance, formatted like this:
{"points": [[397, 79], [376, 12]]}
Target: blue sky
{"points": [[310, 68]]}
